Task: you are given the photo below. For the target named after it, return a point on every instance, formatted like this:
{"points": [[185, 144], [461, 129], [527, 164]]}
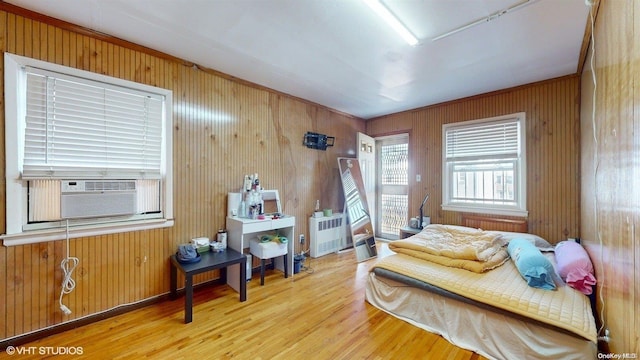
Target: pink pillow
{"points": [[574, 266]]}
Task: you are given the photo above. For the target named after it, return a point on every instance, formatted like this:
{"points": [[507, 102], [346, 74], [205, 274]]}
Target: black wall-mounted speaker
{"points": [[318, 141]]}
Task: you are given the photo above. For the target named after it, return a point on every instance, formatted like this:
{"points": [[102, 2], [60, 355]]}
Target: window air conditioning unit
{"points": [[97, 198]]}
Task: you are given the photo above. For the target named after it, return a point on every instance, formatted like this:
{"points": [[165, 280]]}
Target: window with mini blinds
{"points": [[88, 148], [484, 167]]}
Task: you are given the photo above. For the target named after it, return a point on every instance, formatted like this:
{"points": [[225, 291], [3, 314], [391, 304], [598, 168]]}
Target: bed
{"points": [[492, 312]]}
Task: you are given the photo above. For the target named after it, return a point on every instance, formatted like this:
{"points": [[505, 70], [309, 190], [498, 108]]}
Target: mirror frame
{"points": [[356, 206]]}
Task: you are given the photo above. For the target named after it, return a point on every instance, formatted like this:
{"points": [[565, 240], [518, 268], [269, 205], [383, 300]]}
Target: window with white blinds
{"points": [[495, 139], [79, 128], [484, 168], [63, 124]]}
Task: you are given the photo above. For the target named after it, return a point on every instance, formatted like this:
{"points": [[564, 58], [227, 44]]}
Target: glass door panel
{"points": [[393, 184]]}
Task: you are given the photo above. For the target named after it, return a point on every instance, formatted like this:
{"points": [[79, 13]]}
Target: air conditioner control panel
{"points": [[72, 186]]}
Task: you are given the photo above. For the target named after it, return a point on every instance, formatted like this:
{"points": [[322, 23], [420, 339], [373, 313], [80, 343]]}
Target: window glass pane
{"points": [[485, 164], [395, 209], [394, 164], [489, 183]]}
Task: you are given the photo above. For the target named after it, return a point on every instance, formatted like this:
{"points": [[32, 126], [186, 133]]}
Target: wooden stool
{"points": [[268, 250]]}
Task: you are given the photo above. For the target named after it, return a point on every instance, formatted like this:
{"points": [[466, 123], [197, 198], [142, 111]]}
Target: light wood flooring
{"points": [[320, 313]]}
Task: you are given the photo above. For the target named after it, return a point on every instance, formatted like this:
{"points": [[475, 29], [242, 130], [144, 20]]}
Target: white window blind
{"points": [[81, 128], [484, 166], [498, 139]]}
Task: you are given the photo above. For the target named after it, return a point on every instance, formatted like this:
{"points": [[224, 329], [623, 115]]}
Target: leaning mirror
{"points": [[357, 209]]}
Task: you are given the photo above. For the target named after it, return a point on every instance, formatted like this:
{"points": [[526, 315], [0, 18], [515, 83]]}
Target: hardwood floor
{"points": [[320, 313]]}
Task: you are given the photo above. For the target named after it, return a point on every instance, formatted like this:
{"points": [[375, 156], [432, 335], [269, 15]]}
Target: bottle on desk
{"points": [[222, 238]]}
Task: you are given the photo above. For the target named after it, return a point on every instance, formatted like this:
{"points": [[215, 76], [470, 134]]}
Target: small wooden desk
{"points": [[209, 261]]}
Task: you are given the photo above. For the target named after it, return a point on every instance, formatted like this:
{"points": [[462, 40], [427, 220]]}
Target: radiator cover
{"points": [[326, 234]]}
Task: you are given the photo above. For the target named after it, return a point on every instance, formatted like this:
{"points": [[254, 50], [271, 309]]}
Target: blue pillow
{"points": [[532, 265]]}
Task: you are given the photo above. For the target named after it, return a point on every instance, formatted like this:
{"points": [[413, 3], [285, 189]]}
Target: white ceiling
{"points": [[337, 53]]}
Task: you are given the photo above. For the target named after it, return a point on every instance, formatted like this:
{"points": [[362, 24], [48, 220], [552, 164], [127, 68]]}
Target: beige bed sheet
{"points": [[505, 289], [491, 334]]}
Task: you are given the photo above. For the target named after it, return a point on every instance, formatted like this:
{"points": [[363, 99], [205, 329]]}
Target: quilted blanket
{"points": [[505, 289], [460, 247]]}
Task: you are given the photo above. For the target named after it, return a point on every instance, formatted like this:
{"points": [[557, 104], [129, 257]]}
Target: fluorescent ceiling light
{"points": [[392, 21]]}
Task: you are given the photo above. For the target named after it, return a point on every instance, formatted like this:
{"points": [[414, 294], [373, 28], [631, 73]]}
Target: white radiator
{"points": [[326, 234]]}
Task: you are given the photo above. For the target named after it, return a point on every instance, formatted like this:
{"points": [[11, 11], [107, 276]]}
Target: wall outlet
{"points": [[301, 238]]}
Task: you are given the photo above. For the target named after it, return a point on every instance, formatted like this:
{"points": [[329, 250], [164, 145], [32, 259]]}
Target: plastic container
{"points": [[298, 260], [222, 238]]}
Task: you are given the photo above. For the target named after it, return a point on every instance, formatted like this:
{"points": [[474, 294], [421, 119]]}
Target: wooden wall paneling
{"points": [[10, 290], [552, 140], [34, 286], [146, 283], [45, 290], [154, 263], [41, 291], [28, 36], [108, 278], [10, 45], [145, 256], [26, 278], [158, 271], [123, 270], [86, 301], [139, 268], [633, 344], [610, 195], [4, 256], [3, 289], [55, 277], [96, 244], [91, 302], [222, 130]]}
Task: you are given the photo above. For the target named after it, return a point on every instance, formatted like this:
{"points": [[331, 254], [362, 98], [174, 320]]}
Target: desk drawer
{"points": [[257, 226], [283, 222]]}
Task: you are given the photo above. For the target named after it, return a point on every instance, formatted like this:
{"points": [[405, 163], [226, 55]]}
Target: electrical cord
{"points": [[307, 269], [596, 162], [68, 265]]}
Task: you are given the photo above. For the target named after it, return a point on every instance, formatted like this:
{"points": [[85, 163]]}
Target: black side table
{"points": [[209, 261], [407, 231]]}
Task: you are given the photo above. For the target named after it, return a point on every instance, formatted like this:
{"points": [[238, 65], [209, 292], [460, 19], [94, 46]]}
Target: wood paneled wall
{"points": [[223, 128], [553, 144], [611, 169]]}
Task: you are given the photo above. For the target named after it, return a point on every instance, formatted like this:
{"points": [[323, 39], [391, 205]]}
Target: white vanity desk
{"points": [[242, 230]]}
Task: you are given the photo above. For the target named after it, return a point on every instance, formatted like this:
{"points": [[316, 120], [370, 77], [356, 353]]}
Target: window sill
{"points": [[38, 236], [486, 210]]}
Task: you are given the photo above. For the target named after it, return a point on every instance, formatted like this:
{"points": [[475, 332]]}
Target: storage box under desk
{"points": [[242, 230]]}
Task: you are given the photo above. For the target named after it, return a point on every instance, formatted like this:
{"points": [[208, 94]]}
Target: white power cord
{"points": [[68, 264], [596, 162]]}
